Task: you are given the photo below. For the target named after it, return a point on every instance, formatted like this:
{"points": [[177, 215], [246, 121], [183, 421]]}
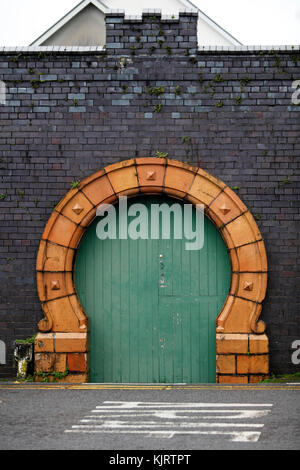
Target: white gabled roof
{"points": [[213, 24], [72, 13], [104, 8]]}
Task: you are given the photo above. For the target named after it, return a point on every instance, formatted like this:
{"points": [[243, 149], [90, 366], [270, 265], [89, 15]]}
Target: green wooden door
{"points": [[152, 304]]}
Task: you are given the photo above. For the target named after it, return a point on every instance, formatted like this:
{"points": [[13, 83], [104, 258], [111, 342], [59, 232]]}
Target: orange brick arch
{"points": [[62, 343]]}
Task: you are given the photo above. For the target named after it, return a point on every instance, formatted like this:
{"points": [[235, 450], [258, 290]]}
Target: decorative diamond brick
{"points": [[77, 209], [55, 285], [248, 286], [151, 176], [224, 209]]}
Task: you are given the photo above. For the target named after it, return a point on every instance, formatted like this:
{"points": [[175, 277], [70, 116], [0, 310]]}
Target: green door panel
{"points": [[152, 304]]}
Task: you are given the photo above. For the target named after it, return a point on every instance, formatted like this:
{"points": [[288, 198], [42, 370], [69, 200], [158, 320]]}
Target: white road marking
{"points": [[151, 424], [175, 414], [138, 404], [241, 436], [171, 419]]}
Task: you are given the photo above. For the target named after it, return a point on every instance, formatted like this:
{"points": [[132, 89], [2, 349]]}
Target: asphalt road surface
{"points": [[160, 418]]}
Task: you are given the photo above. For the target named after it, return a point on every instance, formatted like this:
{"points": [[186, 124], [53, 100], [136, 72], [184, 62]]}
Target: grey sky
{"points": [[265, 22]]}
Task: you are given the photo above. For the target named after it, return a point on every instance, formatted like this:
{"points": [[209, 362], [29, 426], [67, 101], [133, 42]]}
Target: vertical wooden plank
{"points": [[195, 350], [134, 319], [153, 250], [107, 313], [152, 296], [95, 295], [212, 260], [203, 341], [115, 309], [185, 271], [179, 310], [194, 279], [211, 337], [144, 288], [203, 262], [163, 341], [186, 344], [125, 312]]}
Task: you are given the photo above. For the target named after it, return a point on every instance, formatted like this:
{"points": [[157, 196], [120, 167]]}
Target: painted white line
{"points": [[242, 436], [146, 405], [169, 414], [151, 424], [292, 383]]}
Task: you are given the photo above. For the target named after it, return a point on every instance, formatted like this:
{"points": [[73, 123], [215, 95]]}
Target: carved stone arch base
{"points": [[62, 343]]}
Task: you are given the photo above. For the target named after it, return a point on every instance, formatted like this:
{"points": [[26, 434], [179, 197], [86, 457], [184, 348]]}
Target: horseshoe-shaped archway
{"points": [[62, 343]]}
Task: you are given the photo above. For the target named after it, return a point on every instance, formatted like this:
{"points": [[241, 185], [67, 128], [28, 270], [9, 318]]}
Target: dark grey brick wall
{"points": [[70, 114]]}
